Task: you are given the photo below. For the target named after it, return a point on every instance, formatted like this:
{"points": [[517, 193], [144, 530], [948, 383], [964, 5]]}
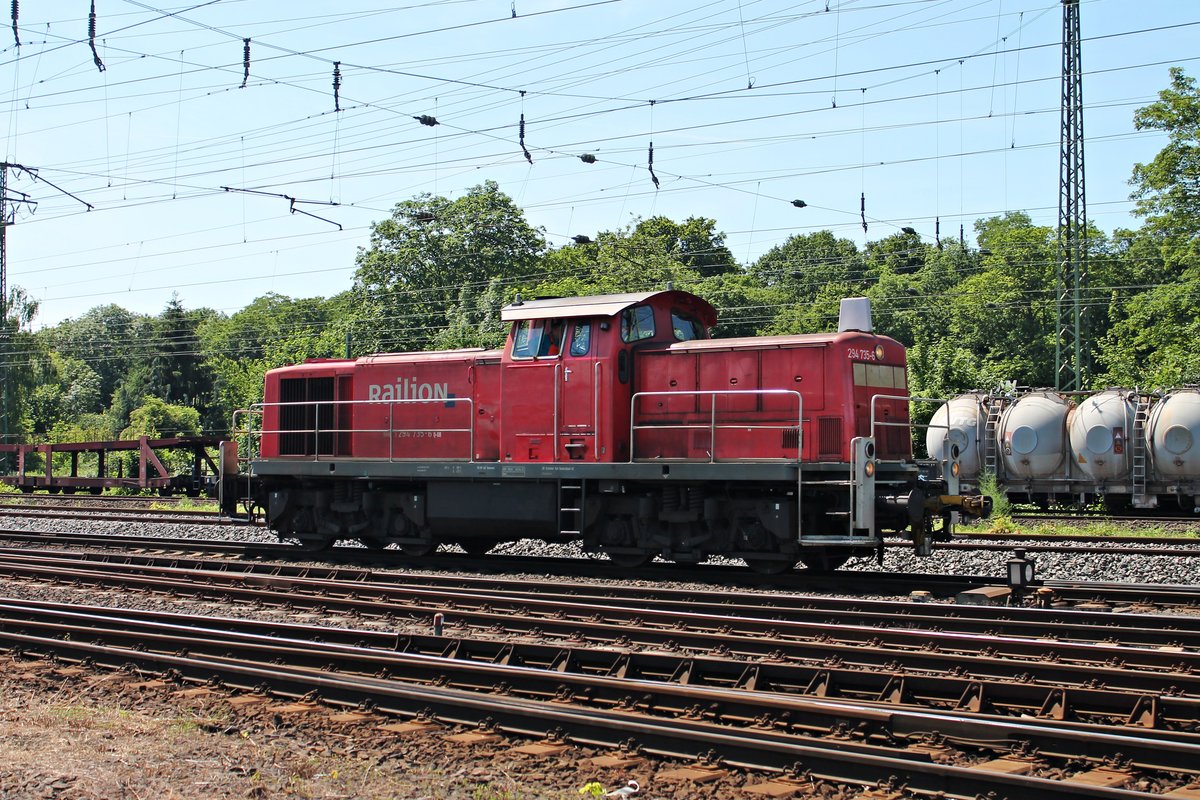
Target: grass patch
{"points": [[186, 504], [488, 792], [989, 488], [1101, 529]]}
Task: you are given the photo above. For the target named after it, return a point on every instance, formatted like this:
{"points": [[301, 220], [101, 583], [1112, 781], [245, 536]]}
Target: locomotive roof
{"points": [[601, 305]]}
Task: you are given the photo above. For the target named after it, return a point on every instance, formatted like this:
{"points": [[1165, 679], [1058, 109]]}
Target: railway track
{"points": [[846, 581], [709, 687], [179, 516]]}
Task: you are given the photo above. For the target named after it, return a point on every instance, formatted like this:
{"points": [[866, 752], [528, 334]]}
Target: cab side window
{"points": [[553, 338], [527, 340], [637, 323], [686, 327], [581, 338]]}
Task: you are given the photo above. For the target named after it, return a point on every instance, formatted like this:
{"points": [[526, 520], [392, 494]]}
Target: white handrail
{"points": [[712, 425]]}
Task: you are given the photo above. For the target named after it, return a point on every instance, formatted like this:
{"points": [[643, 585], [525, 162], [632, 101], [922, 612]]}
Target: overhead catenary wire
{"points": [[748, 178]]}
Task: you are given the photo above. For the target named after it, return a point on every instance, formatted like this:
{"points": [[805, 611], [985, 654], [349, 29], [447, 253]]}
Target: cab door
{"points": [[579, 385], [530, 385]]}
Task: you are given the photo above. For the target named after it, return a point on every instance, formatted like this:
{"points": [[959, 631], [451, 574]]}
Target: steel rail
{"points": [[1132, 669], [1066, 625], [771, 732], [1150, 713], [802, 581], [172, 516]]}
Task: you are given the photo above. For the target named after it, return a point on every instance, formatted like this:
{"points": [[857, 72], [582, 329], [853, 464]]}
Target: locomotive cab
{"points": [[567, 373]]}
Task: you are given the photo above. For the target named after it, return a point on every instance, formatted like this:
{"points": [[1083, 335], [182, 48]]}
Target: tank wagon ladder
{"points": [[1141, 416], [995, 410]]}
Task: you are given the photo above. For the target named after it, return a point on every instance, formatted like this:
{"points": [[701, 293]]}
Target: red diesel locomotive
{"points": [[613, 420]]}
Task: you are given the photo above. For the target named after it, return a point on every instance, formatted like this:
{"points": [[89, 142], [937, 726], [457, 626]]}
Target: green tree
{"points": [[177, 369], [694, 243], [804, 262], [109, 339], [272, 331], [632, 259], [812, 272], [18, 352], [409, 279], [1154, 346], [66, 388], [1150, 339], [1167, 189], [157, 418]]}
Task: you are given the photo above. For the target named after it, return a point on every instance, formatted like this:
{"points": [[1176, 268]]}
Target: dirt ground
{"points": [[76, 734]]}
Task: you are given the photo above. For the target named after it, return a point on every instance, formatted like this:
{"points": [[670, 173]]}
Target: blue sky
{"points": [[932, 109]]}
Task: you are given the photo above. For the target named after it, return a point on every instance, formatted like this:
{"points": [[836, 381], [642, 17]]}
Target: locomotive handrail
{"points": [[910, 424], [317, 431], [712, 425]]}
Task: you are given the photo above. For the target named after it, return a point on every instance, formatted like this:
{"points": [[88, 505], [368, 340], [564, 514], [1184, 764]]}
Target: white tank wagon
{"points": [[1125, 448], [1099, 431], [961, 421], [1032, 437]]}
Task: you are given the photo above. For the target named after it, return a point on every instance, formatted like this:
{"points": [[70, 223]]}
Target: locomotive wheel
{"points": [[314, 543], [373, 542], [630, 560], [477, 547], [419, 549], [769, 566], [823, 562]]}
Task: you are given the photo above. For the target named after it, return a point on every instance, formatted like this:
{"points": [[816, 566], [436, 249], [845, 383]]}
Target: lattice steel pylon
{"points": [[1070, 351]]}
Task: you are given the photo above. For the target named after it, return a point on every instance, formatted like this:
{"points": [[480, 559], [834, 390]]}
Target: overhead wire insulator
{"points": [[425, 119], [92, 38], [245, 62], [862, 210], [16, 12], [799, 203], [650, 166], [524, 150], [937, 232], [337, 85], [588, 158]]}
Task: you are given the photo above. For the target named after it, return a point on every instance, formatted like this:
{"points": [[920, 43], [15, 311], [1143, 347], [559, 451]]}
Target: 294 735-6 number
{"points": [[860, 355]]}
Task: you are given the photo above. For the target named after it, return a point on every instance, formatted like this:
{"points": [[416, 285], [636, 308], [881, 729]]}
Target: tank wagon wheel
{"points": [[823, 562], [96, 490], [68, 490]]}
